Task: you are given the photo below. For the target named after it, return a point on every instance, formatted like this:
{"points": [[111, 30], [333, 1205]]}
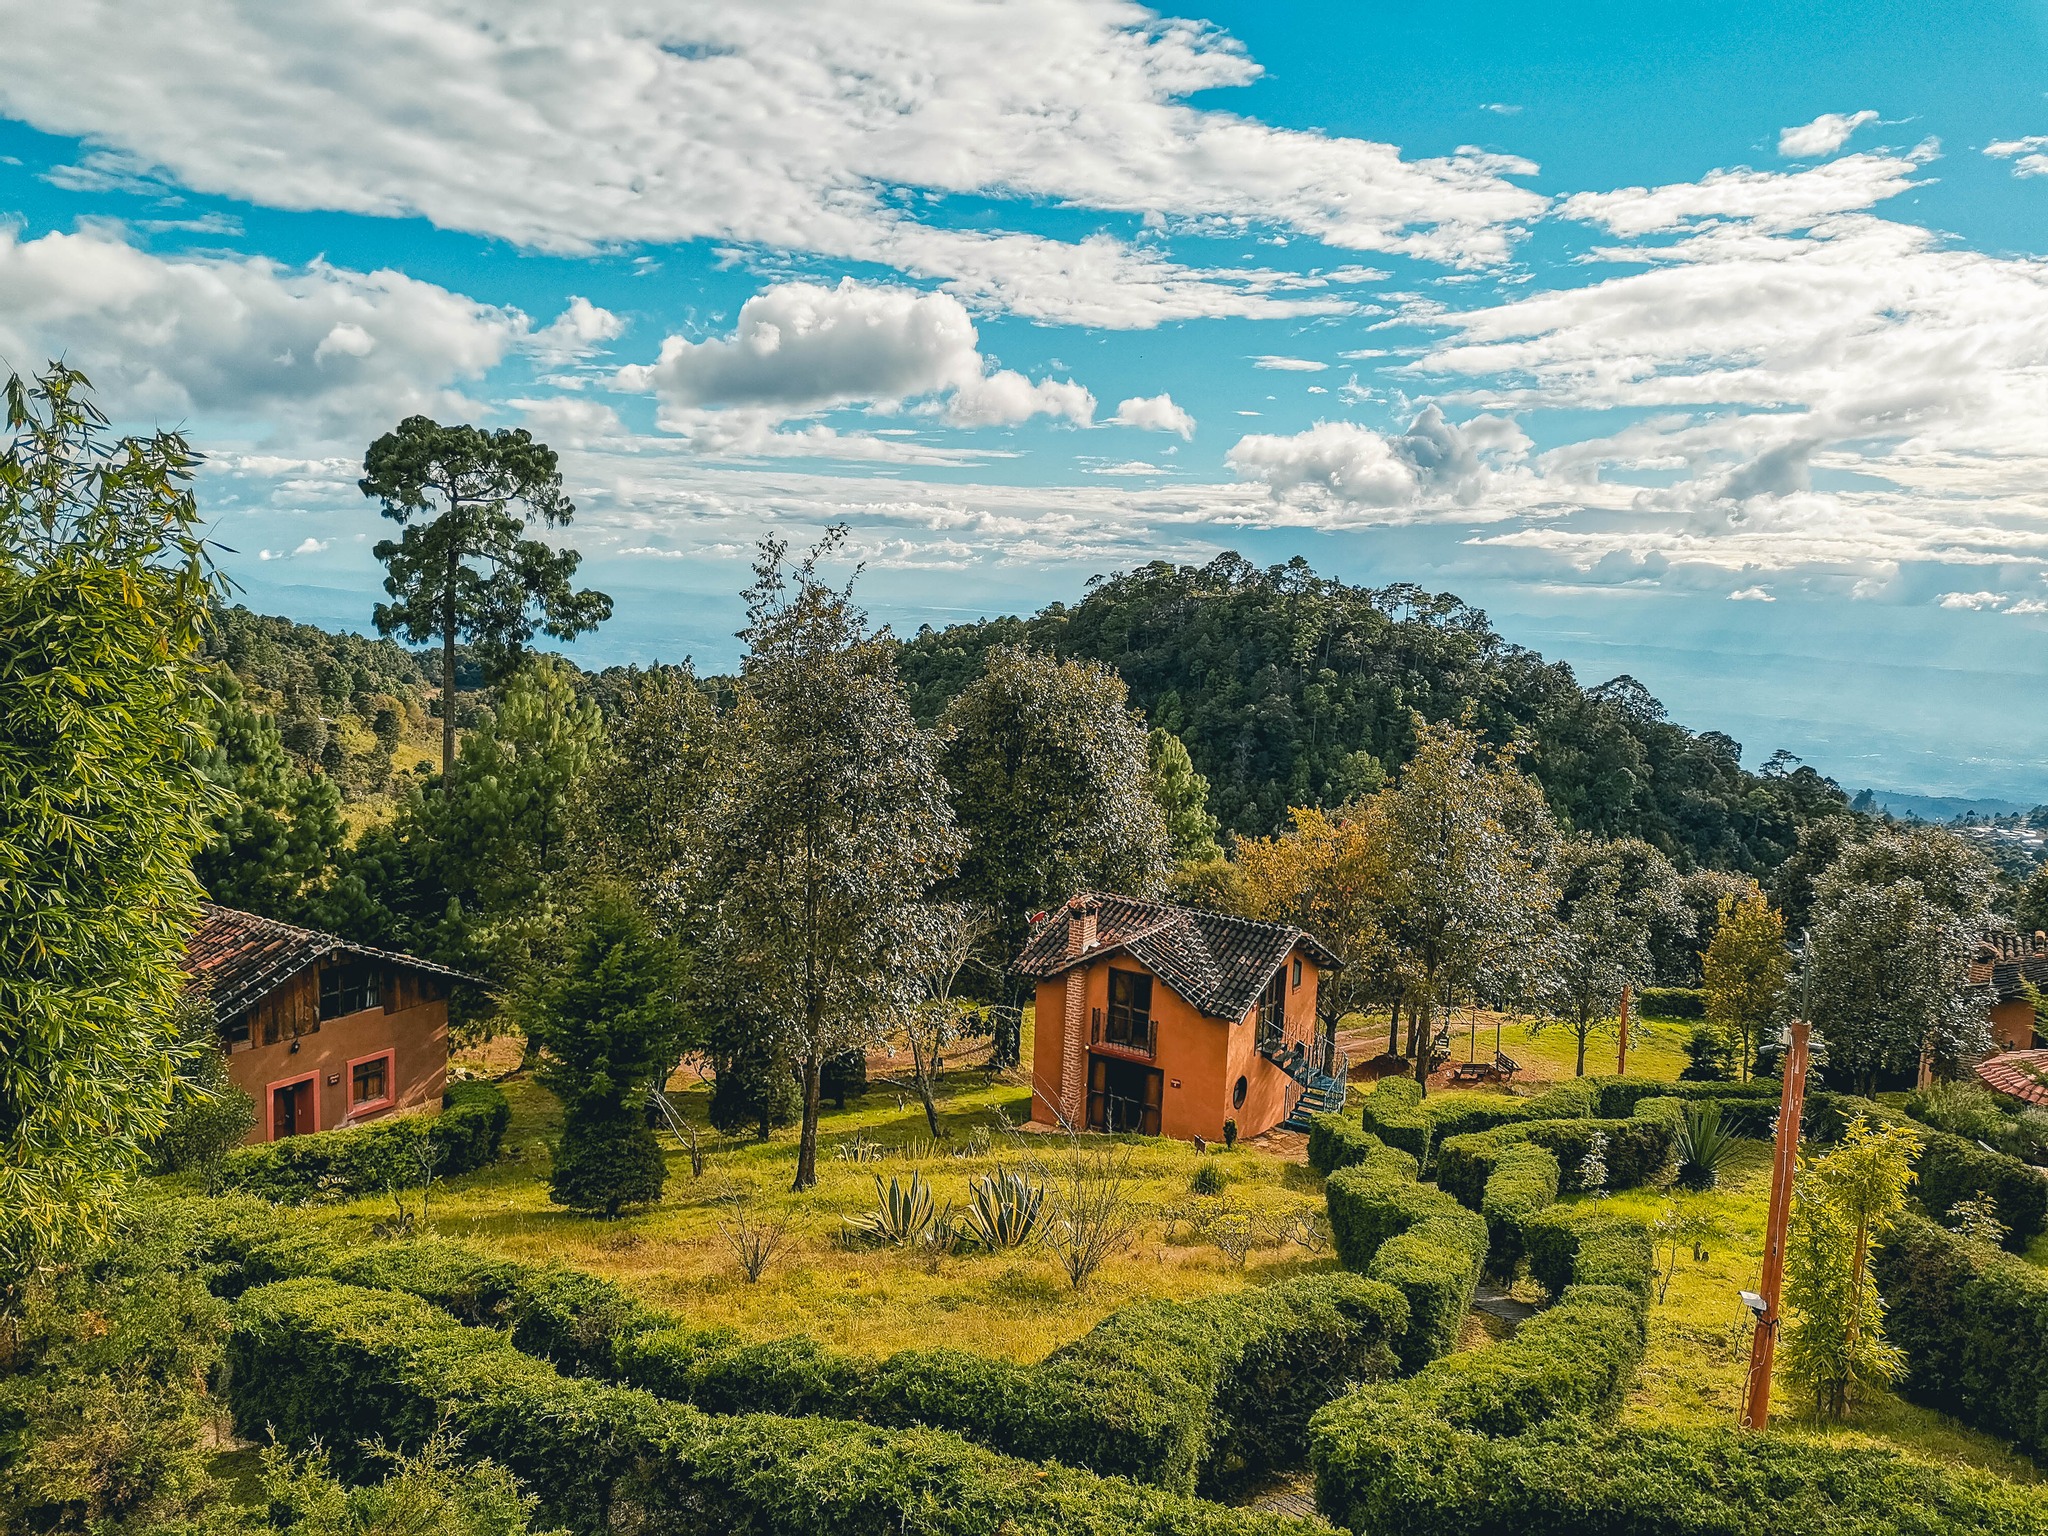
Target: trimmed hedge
{"points": [[369, 1159], [313, 1360], [1974, 1325], [1672, 1003], [1950, 1168], [1201, 1395], [1574, 1360], [1569, 1479], [1183, 1394], [1334, 1142], [1756, 1101], [1524, 1181], [1414, 1237]]}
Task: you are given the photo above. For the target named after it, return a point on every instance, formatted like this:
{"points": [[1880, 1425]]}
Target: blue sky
{"points": [[1707, 343]]}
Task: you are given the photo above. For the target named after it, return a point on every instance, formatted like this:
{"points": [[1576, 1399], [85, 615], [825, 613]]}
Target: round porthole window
{"points": [[1237, 1094]]}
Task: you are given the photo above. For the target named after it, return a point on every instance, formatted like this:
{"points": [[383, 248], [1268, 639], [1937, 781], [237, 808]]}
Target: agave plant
{"points": [[1705, 1145], [1004, 1209], [901, 1214]]}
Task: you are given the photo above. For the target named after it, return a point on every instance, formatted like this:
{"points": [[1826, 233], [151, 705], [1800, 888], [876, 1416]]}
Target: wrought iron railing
{"points": [[1135, 1033]]}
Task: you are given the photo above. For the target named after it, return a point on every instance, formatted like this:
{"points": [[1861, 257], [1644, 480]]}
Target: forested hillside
{"points": [[1290, 688]]}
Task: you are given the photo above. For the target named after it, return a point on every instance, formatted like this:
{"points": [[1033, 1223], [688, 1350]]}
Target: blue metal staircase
{"points": [[1322, 1092]]}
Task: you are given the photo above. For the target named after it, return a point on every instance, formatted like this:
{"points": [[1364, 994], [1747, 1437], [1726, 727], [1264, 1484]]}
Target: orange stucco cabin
{"points": [[1168, 1020], [2012, 968], [321, 1033]]}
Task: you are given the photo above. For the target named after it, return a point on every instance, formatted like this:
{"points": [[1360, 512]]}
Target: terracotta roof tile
{"points": [[1217, 963], [239, 958], [2021, 1074]]}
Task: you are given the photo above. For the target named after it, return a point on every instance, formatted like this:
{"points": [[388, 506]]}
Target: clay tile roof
{"points": [[2021, 1074], [2005, 960], [239, 958], [1217, 963]]}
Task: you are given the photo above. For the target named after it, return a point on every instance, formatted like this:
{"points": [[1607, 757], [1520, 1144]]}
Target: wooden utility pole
{"points": [[1763, 1349], [1621, 1056]]}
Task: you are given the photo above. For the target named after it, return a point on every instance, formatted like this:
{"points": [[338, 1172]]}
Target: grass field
{"points": [[867, 1300]]}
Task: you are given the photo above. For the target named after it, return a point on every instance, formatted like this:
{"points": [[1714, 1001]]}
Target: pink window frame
{"points": [[389, 1056], [270, 1102]]}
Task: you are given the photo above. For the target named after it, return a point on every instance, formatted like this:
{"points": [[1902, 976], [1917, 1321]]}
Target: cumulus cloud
{"points": [[1154, 413], [1823, 136], [306, 546], [1751, 595], [577, 332], [318, 350], [2029, 156], [800, 349], [569, 127], [1434, 462], [1976, 601]]}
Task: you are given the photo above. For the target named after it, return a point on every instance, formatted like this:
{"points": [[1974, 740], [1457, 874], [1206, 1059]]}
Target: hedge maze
{"points": [[624, 1418]]}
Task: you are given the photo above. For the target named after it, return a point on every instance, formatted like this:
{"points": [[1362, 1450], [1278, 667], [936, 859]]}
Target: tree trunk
{"points": [[921, 1067], [1422, 1039], [807, 1143], [1584, 1030], [448, 693], [1394, 1029]]}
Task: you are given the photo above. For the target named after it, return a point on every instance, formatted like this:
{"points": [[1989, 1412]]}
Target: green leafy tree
{"points": [[827, 826], [1745, 972], [604, 1019], [278, 840], [2030, 907], [1612, 896], [1329, 875], [1845, 1204], [464, 566], [1050, 782], [1897, 918], [1183, 797], [104, 596], [1467, 899]]}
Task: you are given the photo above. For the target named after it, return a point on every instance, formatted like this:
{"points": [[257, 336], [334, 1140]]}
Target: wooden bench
{"points": [[1501, 1069]]}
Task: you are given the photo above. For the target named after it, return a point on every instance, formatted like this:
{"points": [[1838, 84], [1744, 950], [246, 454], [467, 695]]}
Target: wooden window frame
{"points": [[389, 1056]]}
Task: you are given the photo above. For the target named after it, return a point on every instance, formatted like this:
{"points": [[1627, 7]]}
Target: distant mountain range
{"points": [[1938, 807]]}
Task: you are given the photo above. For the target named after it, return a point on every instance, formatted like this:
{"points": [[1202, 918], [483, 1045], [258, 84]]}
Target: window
{"points": [[369, 1082], [1130, 1008], [1237, 1094], [347, 988], [236, 1031], [1297, 970]]}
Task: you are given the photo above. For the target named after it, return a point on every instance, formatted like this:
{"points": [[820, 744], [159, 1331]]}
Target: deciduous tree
{"points": [[104, 597], [1611, 897], [827, 826], [1745, 971], [464, 566], [1047, 766], [1466, 840], [1329, 875]]}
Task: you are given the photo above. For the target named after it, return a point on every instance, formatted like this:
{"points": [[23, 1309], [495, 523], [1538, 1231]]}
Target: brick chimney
{"points": [[1081, 914]]}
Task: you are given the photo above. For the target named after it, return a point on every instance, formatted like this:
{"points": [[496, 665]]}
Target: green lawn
{"points": [[872, 1301]]}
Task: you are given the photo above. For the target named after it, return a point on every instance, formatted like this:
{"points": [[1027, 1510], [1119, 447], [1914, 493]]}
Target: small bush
{"points": [[1208, 1179], [1579, 1244], [1952, 1170], [369, 1159], [1710, 1055], [1334, 1142]]}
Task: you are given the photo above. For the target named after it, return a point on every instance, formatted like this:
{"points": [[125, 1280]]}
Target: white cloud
{"points": [[306, 546], [318, 351], [578, 331], [1154, 413], [1751, 595], [1434, 462], [1769, 200], [1504, 109], [1823, 136], [571, 127], [799, 349], [2029, 156], [1976, 601], [1289, 364], [1130, 467]]}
